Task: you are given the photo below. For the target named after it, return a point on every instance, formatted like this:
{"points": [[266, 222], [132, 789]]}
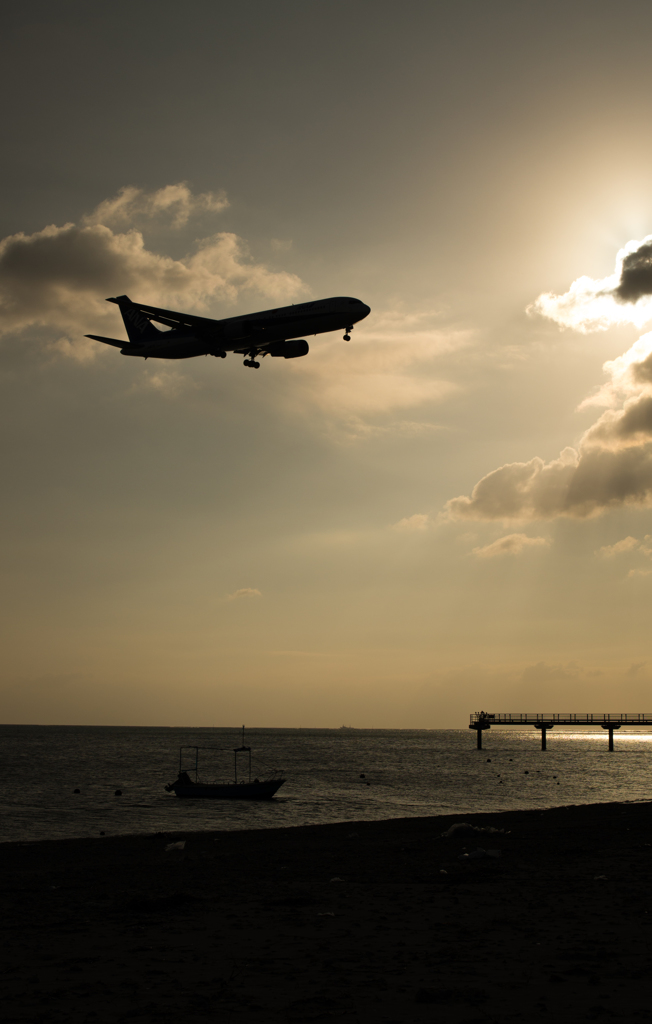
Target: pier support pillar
{"points": [[479, 726], [610, 727], [543, 726]]}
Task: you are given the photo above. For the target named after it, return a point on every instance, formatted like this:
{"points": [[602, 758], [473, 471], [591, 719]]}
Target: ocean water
{"points": [[406, 773]]}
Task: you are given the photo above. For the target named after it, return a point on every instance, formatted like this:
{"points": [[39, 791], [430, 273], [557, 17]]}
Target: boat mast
{"points": [[249, 749], [238, 750]]}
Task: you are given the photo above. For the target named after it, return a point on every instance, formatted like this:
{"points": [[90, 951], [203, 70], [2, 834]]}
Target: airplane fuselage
{"points": [[252, 332]]}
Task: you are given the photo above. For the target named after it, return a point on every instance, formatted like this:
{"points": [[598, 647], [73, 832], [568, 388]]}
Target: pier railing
{"points": [[561, 719]]}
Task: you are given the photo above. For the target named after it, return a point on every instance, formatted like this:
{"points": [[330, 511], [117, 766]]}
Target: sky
{"points": [[452, 511]]}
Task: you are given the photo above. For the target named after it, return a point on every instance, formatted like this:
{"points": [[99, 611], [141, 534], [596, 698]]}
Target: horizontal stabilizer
{"points": [[108, 341]]}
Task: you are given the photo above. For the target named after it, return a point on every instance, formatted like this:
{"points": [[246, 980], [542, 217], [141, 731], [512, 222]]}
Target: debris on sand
{"points": [[480, 854], [461, 826]]}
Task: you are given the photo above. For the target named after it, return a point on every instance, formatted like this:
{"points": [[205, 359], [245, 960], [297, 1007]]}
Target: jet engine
{"points": [[289, 349]]}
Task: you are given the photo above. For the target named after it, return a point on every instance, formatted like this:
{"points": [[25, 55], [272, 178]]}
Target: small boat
{"points": [[243, 789]]}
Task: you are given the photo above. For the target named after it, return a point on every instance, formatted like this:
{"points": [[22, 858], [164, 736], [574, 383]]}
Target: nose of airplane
{"points": [[357, 309]]}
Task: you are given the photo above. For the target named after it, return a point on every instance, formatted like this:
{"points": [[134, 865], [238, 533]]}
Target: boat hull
{"points": [[228, 791]]}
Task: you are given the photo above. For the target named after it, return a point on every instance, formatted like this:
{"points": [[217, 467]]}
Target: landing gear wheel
{"points": [[347, 337], [251, 362]]}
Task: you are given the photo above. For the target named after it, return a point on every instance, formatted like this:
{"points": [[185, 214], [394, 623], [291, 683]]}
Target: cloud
{"points": [[595, 305], [59, 278], [174, 203], [54, 283], [627, 375], [626, 546], [166, 381], [542, 673], [619, 548], [519, 490], [575, 485], [512, 544], [636, 272], [390, 365], [413, 524], [635, 668], [244, 592]]}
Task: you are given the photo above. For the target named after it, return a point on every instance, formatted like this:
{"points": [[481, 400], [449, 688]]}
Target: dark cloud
{"points": [[636, 274], [607, 478], [642, 372], [625, 426], [76, 257]]}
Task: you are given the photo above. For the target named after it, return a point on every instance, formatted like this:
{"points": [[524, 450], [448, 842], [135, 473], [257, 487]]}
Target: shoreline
{"points": [[181, 834], [367, 921]]}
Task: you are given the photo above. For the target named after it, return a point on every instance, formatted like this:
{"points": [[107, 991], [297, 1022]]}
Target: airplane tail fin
{"points": [[139, 328]]}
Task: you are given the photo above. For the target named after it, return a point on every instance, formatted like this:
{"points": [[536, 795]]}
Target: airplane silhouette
{"points": [[273, 332]]}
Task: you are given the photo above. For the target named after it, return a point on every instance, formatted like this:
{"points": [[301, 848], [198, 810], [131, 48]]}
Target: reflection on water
{"points": [[406, 773]]}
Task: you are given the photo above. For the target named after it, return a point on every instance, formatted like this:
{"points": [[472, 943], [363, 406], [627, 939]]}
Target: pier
{"points": [[481, 720]]}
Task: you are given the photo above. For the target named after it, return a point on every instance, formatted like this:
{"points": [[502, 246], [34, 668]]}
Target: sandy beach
{"points": [[359, 922]]}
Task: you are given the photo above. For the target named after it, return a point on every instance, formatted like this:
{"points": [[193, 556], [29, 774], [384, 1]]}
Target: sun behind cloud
{"points": [[612, 464]]}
